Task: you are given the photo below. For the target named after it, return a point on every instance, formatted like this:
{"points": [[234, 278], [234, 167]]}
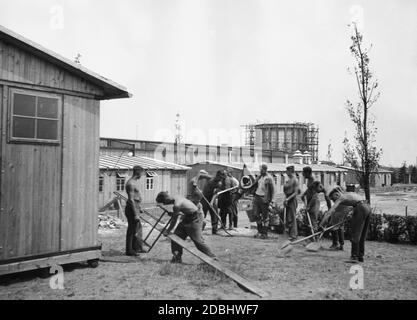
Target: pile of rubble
{"points": [[107, 221]]}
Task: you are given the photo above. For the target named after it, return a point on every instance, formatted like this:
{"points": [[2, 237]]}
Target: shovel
{"points": [[320, 233]]}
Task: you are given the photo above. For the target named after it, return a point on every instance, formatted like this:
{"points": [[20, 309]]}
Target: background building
{"points": [[116, 170]]}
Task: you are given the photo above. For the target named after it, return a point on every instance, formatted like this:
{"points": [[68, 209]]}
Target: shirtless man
{"points": [[291, 190], [196, 185], [189, 226], [134, 243], [359, 222], [313, 187]]}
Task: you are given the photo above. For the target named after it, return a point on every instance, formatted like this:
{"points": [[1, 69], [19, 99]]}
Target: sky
{"points": [[224, 63]]}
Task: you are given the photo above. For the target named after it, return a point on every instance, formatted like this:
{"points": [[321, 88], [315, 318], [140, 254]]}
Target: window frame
{"points": [[120, 183], [36, 94], [150, 181], [100, 184]]}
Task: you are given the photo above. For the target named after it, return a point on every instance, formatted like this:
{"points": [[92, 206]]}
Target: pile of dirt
{"points": [[106, 221]]}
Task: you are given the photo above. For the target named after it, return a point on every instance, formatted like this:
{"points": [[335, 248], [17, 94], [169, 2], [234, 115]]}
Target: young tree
{"points": [[363, 155]]}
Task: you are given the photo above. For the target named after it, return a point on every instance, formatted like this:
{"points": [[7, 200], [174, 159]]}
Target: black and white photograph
{"points": [[236, 151]]}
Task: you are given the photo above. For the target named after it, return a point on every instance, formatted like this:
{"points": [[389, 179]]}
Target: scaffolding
{"points": [[250, 134], [284, 137], [313, 141]]}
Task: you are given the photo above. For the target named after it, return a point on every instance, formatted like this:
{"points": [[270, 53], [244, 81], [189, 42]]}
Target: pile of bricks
{"points": [[106, 221]]}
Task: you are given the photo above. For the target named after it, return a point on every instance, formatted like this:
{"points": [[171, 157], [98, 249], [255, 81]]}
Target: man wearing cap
{"points": [[134, 242], [291, 191], [263, 197], [189, 226], [232, 182], [210, 187], [359, 222]]}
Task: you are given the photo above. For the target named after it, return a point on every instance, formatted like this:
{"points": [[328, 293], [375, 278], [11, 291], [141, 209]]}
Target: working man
{"points": [[196, 185], [232, 182], [134, 242], [291, 191], [211, 186], [312, 208], [263, 197], [190, 224], [359, 222]]}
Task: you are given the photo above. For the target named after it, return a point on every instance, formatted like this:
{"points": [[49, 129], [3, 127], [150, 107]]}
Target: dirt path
{"points": [[390, 272]]}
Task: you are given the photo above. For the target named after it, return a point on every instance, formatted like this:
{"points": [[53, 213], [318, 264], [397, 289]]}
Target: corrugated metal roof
{"points": [[379, 170], [223, 164], [125, 162], [281, 167], [277, 167], [112, 89]]}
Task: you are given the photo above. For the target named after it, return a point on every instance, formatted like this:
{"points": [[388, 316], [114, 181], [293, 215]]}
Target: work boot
{"points": [[340, 248], [132, 254], [360, 259], [257, 236], [333, 246], [264, 236], [353, 259], [176, 258]]}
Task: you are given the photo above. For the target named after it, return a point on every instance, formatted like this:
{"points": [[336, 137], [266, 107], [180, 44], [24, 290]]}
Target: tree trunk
{"points": [[367, 187]]}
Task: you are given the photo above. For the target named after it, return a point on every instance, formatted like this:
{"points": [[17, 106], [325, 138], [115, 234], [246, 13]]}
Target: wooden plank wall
{"points": [[179, 183], [20, 66], [30, 196], [80, 173]]}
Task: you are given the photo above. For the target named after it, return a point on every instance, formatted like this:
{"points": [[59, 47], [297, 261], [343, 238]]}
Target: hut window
{"points": [[149, 183], [100, 184], [120, 183], [34, 117]]}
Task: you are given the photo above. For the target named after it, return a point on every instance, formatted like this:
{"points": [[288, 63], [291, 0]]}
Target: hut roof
{"points": [[124, 162], [111, 89]]}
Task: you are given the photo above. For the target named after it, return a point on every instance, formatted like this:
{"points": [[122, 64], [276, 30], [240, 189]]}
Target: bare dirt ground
{"points": [[390, 272]]}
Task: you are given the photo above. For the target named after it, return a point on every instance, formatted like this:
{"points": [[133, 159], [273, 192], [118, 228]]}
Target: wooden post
{"points": [[406, 211]]}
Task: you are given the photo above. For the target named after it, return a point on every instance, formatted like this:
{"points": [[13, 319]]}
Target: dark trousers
{"points": [[261, 212], [291, 211], [233, 218], [213, 217], [134, 242], [359, 229], [231, 212], [338, 236], [191, 228]]}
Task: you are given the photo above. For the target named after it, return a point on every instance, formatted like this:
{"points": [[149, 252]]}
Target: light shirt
{"points": [[261, 191]]}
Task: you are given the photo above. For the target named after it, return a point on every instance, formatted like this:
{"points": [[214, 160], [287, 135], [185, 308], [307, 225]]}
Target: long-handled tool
{"points": [[214, 211], [310, 223], [288, 243]]}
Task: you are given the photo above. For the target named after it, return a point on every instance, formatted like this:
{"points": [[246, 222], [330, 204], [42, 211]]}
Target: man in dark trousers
{"points": [[291, 191], [263, 197], [189, 226], [232, 182], [210, 187], [313, 188], [134, 242], [359, 222]]}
